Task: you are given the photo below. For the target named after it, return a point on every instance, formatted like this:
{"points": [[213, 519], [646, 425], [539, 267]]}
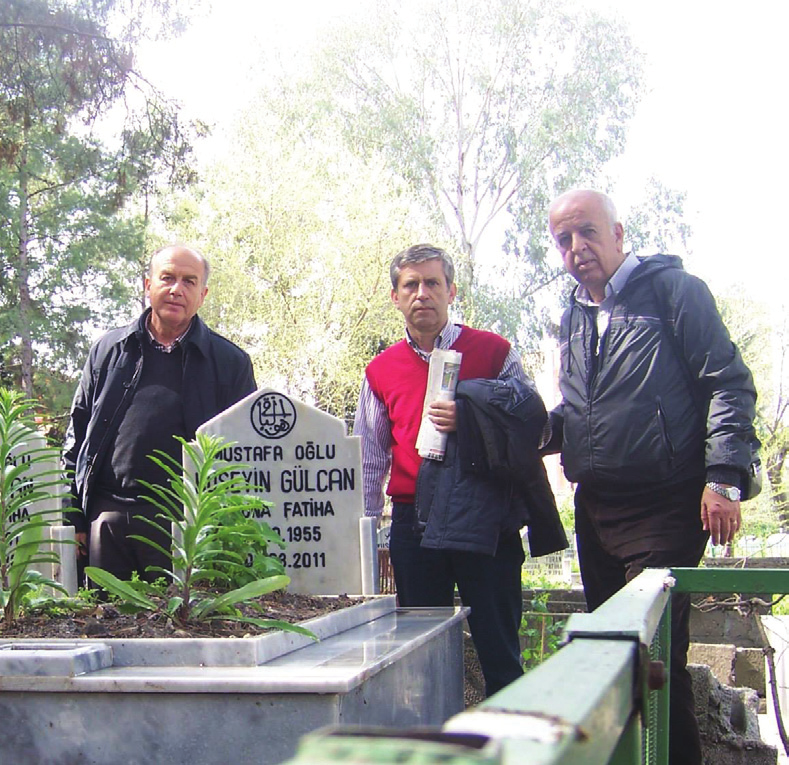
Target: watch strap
{"points": [[732, 493]]}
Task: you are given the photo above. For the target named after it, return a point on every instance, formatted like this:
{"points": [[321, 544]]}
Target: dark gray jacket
{"points": [[216, 375], [492, 479], [629, 417]]}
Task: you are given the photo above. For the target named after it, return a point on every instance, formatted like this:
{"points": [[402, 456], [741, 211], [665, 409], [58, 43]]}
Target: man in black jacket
{"points": [[162, 376], [655, 422]]}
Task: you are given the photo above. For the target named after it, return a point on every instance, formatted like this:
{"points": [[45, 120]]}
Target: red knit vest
{"points": [[398, 378]]}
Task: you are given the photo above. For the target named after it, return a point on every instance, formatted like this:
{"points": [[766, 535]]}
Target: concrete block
{"points": [[728, 722], [706, 626], [717, 622], [749, 669], [719, 658]]}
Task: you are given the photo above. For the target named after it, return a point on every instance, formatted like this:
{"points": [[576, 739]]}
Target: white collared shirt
{"points": [[612, 288]]}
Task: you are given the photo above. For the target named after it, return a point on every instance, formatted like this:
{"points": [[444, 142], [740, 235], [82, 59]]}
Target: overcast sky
{"points": [[712, 122]]}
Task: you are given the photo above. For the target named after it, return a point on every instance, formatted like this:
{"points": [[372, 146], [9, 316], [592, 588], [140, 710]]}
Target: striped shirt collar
{"points": [[177, 343], [446, 339]]}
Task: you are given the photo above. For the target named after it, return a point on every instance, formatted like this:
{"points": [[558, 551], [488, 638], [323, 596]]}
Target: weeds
{"points": [[540, 631]]}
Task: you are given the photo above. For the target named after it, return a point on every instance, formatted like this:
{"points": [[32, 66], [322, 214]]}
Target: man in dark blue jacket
{"points": [[655, 424], [162, 376]]}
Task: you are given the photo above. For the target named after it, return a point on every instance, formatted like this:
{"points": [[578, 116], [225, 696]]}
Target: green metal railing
{"points": [[600, 700]]}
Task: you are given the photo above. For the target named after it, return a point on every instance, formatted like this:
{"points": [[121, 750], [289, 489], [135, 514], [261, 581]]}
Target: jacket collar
{"points": [[648, 264], [198, 334]]}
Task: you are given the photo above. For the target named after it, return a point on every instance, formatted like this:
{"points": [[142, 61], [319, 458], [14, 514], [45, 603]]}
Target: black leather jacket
{"points": [[492, 479], [216, 374], [629, 416]]}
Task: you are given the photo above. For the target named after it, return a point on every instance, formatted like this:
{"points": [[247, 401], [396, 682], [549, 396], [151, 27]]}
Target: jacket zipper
{"points": [[129, 387], [663, 427], [594, 364]]}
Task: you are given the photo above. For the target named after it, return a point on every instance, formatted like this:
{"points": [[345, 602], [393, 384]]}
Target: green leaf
{"points": [[248, 591], [120, 589], [274, 624], [173, 604]]}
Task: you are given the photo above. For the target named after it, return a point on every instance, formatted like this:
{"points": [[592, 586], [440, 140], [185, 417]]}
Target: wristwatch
{"points": [[732, 493]]}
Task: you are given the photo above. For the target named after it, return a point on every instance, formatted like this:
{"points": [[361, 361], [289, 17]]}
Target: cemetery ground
{"points": [[89, 618]]}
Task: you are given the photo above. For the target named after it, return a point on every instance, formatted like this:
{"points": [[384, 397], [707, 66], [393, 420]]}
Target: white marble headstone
{"points": [[47, 471], [311, 471]]}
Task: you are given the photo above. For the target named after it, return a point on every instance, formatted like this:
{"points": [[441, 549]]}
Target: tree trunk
{"points": [[23, 281], [144, 264]]}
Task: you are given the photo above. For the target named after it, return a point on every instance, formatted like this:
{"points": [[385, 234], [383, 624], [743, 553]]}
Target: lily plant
{"points": [[30, 490], [207, 512]]}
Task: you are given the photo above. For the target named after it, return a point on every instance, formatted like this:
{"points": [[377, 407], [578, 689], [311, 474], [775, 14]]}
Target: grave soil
{"points": [[105, 620]]}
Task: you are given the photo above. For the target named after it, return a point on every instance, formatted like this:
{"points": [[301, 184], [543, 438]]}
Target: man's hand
{"points": [[81, 538], [443, 415], [720, 516]]}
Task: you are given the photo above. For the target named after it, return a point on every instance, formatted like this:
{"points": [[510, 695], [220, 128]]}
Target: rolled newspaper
{"points": [[442, 379]]}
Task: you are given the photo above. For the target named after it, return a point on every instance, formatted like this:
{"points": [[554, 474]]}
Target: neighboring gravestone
{"points": [[46, 471], [311, 471]]}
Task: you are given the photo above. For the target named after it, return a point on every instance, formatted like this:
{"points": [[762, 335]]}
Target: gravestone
{"points": [[306, 465], [44, 468]]}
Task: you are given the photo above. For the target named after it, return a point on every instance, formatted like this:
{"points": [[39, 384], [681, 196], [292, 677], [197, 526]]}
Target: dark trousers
{"points": [[111, 548], [605, 571], [490, 585]]}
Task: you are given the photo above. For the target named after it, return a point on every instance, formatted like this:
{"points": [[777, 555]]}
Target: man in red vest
{"points": [[388, 419]]}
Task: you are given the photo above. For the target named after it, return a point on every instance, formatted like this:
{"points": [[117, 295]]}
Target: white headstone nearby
{"points": [[47, 470], [311, 471]]}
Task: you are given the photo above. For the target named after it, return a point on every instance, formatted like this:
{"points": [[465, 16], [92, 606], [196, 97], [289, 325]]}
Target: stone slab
{"points": [[402, 670], [45, 659]]}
